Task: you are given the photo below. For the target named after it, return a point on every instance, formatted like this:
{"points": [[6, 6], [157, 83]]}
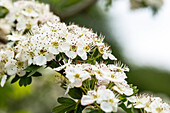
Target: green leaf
{"points": [[3, 12], [25, 81], [53, 64], [64, 108], [67, 104], [36, 74], [96, 111], [15, 79], [33, 69], [65, 100], [75, 93]]}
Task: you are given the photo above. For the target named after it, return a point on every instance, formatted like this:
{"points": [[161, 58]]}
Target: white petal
{"points": [[78, 83], [12, 70], [112, 57], [117, 89], [21, 73], [105, 56], [59, 68], [53, 50], [106, 107], [64, 47], [82, 54], [3, 80], [86, 99], [70, 77], [49, 56], [40, 60], [30, 61], [71, 54]]}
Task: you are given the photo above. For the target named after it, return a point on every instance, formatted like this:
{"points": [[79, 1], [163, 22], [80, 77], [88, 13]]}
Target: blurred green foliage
{"points": [[3, 12]]}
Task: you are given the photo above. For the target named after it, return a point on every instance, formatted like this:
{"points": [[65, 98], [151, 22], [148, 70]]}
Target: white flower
{"points": [[90, 98], [76, 74], [123, 88], [3, 80], [105, 97], [157, 106], [11, 67], [141, 101]]}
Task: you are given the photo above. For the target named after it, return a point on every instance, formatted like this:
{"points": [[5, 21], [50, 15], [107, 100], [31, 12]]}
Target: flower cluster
{"points": [[46, 41], [149, 104], [38, 39], [108, 81], [23, 15]]}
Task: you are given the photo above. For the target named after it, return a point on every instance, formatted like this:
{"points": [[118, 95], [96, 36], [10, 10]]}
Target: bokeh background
{"points": [[138, 32]]}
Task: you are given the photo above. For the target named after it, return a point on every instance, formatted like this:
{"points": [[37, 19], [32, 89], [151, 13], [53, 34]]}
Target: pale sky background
{"points": [[145, 38]]}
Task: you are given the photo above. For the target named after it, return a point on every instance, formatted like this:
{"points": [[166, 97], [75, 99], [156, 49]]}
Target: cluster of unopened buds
{"points": [[76, 53]]}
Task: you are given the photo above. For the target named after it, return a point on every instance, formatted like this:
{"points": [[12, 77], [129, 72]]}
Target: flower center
{"points": [[95, 96], [55, 44], [73, 48], [111, 101], [31, 54], [112, 76], [77, 75], [19, 64], [159, 109], [28, 10], [54, 30], [28, 26], [98, 72], [87, 48], [42, 52]]}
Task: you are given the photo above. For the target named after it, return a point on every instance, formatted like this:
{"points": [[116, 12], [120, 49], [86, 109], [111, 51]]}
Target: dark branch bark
{"points": [[3, 40], [77, 8]]}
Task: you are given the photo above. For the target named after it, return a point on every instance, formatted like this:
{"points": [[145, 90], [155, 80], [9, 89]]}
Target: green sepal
{"points": [[135, 90]]}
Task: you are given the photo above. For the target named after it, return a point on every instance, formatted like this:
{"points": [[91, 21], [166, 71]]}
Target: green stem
{"points": [[110, 85], [84, 90], [89, 84], [93, 83], [141, 111], [96, 105], [93, 52]]}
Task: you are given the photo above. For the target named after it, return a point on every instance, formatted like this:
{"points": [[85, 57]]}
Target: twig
{"points": [[76, 8], [3, 40]]}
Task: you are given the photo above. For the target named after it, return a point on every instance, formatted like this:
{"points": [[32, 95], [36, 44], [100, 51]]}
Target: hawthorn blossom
{"points": [[76, 74], [105, 97], [123, 88]]}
